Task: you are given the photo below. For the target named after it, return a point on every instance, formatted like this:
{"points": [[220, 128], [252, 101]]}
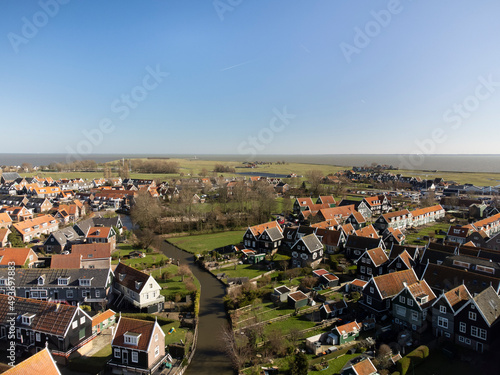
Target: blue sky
{"points": [[351, 77]]}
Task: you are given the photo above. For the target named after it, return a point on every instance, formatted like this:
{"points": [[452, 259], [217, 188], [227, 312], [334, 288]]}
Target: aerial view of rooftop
{"points": [[234, 187]]}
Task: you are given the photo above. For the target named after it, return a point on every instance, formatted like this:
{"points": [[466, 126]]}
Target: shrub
{"points": [[403, 365], [85, 308]]}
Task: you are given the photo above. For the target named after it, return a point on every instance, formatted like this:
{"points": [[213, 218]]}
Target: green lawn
{"points": [[206, 242], [335, 365], [140, 263], [242, 270], [287, 325], [93, 364], [174, 337], [428, 230]]}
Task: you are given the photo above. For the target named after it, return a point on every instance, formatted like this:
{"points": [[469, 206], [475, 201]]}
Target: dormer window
{"points": [[422, 299], [27, 318], [121, 276], [131, 338], [41, 280], [138, 285], [63, 281], [85, 282]]}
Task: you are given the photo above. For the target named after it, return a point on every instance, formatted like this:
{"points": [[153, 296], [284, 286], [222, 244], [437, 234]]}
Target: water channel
{"points": [[209, 357]]}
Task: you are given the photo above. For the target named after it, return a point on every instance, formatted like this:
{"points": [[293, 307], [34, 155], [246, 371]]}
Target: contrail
{"points": [[235, 66]]}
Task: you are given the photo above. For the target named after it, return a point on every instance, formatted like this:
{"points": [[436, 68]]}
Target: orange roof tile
{"points": [[99, 318], [40, 363], [17, 255]]}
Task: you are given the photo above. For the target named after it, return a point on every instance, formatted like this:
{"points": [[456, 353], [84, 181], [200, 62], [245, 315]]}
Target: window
{"points": [[362, 269], [461, 339], [82, 320], [372, 290], [135, 357], [156, 337], [410, 302], [18, 333], [84, 282], [442, 309], [402, 299], [442, 322], [467, 341], [38, 337], [400, 310], [69, 294], [463, 327], [472, 315], [75, 324], [368, 270], [62, 281], [414, 315], [368, 300], [117, 353], [97, 293], [157, 351]]}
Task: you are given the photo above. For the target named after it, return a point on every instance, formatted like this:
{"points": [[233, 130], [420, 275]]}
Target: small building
{"points": [[103, 320], [297, 300], [329, 280], [331, 310], [344, 333], [364, 367], [281, 293], [41, 363], [356, 285]]}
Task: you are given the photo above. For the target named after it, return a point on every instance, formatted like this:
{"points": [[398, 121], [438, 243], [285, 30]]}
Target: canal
{"points": [[209, 357]]}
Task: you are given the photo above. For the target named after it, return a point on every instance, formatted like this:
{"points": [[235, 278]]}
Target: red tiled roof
{"points": [[365, 367], [99, 318], [394, 214], [70, 261], [99, 232], [142, 327], [40, 363], [348, 327], [17, 255], [359, 283], [368, 231], [92, 250], [5, 218], [257, 230], [378, 256], [391, 284]]}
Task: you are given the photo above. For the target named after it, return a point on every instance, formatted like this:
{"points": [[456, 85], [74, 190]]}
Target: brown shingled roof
{"points": [[391, 284], [143, 327]]}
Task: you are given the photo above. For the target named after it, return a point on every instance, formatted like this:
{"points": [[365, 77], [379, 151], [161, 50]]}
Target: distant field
{"points": [[206, 242], [193, 167]]}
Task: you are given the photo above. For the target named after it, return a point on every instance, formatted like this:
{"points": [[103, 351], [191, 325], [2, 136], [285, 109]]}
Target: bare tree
{"points": [[315, 177], [235, 349]]}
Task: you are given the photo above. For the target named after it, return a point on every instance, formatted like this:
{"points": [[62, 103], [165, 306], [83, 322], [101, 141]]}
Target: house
{"points": [[61, 328], [17, 213], [458, 234], [356, 285], [103, 320], [475, 264], [62, 240], [297, 300], [332, 240], [114, 222], [403, 261], [94, 255], [334, 309], [138, 346], [264, 238], [378, 204], [7, 177], [344, 334], [355, 245], [359, 206], [338, 213], [368, 231], [4, 236], [101, 235], [476, 322], [364, 367], [22, 257], [378, 292], [72, 286], [326, 199], [357, 220], [69, 261], [440, 277], [136, 288], [5, 220], [444, 309], [393, 236], [38, 205], [34, 228], [426, 215], [41, 363], [302, 204], [372, 263], [307, 252], [397, 219], [411, 305]]}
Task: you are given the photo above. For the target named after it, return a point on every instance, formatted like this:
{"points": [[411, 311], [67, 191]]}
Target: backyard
{"points": [[204, 243]]}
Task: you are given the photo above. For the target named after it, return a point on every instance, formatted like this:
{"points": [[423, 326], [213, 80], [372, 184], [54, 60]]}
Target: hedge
{"points": [[149, 317], [414, 358]]}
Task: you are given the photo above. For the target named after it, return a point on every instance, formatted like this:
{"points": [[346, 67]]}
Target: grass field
{"points": [[193, 167], [207, 242], [428, 230], [335, 365], [146, 262], [174, 337], [242, 270], [93, 364]]}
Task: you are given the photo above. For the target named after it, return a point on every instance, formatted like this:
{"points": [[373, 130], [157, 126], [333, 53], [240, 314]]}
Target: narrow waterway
{"points": [[209, 357]]}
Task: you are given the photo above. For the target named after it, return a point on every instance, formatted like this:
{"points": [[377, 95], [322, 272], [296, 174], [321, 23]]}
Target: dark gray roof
{"points": [[311, 242], [10, 176], [83, 226], [282, 289], [365, 243], [488, 302], [107, 221], [63, 236], [274, 233], [28, 278]]}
